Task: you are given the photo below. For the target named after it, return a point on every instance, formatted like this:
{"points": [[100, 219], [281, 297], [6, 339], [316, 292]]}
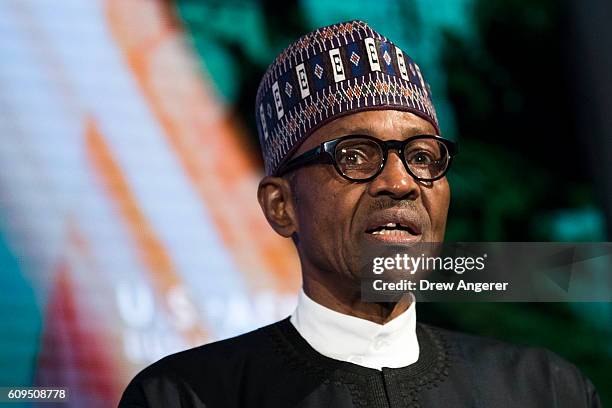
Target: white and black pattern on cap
{"points": [[331, 72]]}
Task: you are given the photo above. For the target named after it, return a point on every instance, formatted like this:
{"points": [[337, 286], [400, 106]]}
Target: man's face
{"points": [[338, 218]]}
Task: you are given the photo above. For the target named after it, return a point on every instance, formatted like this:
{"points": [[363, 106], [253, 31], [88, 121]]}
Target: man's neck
{"points": [[346, 299]]}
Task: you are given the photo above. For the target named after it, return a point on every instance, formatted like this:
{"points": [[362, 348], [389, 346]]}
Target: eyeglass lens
{"points": [[359, 159]]}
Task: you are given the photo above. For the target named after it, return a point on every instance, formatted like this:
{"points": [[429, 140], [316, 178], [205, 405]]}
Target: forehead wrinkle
{"points": [[383, 124], [371, 130]]}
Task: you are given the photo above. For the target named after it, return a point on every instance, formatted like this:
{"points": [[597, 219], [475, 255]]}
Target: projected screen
{"points": [[130, 223]]}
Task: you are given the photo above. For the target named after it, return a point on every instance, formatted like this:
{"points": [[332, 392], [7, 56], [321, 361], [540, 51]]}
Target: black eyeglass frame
{"points": [[325, 154]]}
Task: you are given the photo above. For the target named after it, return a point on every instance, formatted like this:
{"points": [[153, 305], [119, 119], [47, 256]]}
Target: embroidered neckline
{"points": [[431, 367]]}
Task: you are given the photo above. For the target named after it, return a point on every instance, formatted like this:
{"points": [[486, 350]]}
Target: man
{"points": [[354, 159]]}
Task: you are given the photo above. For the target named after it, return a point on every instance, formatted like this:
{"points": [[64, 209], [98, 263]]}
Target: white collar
{"points": [[359, 341]]}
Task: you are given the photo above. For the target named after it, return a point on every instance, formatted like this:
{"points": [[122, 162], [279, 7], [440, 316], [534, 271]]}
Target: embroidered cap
{"points": [[331, 72]]}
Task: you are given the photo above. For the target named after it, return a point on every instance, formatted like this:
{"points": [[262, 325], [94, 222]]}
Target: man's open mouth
{"points": [[395, 232]]}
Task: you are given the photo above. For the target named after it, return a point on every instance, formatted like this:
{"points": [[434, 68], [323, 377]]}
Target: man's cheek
{"points": [[440, 223], [440, 200]]}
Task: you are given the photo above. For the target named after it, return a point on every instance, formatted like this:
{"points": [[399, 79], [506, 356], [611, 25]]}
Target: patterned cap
{"points": [[331, 72]]}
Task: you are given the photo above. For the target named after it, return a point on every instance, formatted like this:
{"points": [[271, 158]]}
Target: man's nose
{"points": [[394, 180]]}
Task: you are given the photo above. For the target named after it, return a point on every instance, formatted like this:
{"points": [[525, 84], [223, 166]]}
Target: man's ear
{"points": [[276, 200]]}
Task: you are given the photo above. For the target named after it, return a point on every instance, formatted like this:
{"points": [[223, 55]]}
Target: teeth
{"points": [[391, 232], [391, 229]]}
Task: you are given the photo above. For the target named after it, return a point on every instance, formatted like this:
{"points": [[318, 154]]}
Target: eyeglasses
{"points": [[362, 158]]}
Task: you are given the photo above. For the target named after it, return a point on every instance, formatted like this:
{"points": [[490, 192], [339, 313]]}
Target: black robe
{"points": [[275, 367]]}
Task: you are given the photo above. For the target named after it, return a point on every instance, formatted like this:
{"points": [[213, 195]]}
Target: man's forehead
{"points": [[384, 124]]}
